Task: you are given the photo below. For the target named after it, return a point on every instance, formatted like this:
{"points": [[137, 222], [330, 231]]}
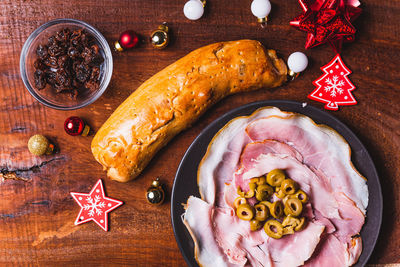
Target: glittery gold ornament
{"points": [[39, 145], [160, 37]]}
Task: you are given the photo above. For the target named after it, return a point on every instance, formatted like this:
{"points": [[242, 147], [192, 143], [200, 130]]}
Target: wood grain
{"points": [[37, 212]]}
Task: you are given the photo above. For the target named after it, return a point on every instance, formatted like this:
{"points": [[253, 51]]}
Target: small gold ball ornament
{"points": [[40, 145], [155, 194], [160, 37]]}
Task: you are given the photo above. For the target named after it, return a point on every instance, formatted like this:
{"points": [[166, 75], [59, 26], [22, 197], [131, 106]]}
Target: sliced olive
{"points": [[276, 209], [240, 192], [275, 177], [293, 207], [238, 201], [255, 225], [263, 192], [301, 224], [245, 212], [280, 194], [290, 221], [273, 229], [261, 180], [301, 195], [266, 203], [288, 230], [288, 186], [262, 212], [252, 191]]}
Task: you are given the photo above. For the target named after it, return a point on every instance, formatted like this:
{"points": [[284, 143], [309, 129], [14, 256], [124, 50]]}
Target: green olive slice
{"points": [[245, 212], [276, 209], [252, 191], [301, 195], [288, 186], [293, 207], [275, 177], [258, 180], [262, 212], [274, 229], [238, 201], [280, 194], [240, 192], [263, 192], [290, 221], [301, 224], [288, 230], [255, 225]]}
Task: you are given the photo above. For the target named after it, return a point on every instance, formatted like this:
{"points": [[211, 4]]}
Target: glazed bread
{"points": [[176, 97]]}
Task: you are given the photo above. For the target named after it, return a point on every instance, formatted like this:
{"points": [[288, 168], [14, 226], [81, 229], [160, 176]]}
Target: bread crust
{"points": [[174, 98]]}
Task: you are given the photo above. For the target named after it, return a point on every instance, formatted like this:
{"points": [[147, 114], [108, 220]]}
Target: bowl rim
{"points": [[101, 39]]}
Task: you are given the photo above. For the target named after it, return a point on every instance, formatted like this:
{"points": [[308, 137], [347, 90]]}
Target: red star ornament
{"points": [[327, 21], [334, 88], [95, 206]]}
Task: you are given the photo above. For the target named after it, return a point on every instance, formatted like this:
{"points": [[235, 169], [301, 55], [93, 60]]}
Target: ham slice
{"points": [[224, 240], [321, 147], [222, 156]]}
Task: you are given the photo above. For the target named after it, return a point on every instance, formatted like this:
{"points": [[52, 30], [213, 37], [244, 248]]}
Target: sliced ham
{"points": [[223, 153], [321, 147]]}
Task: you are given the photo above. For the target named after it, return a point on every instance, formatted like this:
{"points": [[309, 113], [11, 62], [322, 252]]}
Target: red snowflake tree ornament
{"points": [[95, 206], [334, 88]]}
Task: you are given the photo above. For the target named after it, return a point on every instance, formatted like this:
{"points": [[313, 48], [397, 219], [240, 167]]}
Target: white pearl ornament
{"points": [[193, 9], [297, 62], [261, 9]]}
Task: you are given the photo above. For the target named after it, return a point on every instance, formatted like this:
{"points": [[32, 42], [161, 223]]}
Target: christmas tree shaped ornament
{"points": [[76, 126], [127, 40], [333, 87], [297, 62], [261, 9], [95, 206], [40, 145], [160, 38], [194, 9], [155, 194]]}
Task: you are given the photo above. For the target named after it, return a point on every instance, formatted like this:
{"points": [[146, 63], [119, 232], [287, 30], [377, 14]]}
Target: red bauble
{"points": [[127, 40], [334, 88], [327, 21], [76, 126]]}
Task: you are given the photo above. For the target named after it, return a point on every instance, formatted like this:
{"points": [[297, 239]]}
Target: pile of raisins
{"points": [[68, 63]]}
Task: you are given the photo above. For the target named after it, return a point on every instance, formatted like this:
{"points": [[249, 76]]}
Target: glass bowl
{"points": [[48, 96]]}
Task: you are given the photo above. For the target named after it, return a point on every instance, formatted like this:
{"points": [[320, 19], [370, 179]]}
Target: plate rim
{"points": [[253, 106]]}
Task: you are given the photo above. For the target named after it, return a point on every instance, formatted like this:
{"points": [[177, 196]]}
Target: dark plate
{"points": [[185, 183]]}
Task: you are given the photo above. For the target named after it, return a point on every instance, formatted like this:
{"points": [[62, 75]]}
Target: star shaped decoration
{"points": [[95, 206], [327, 21]]}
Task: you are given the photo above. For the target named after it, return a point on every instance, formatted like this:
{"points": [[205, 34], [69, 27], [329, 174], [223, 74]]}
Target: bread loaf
{"points": [[176, 97]]}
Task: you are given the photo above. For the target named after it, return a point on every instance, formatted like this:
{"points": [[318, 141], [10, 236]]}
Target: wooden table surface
{"points": [[37, 212]]}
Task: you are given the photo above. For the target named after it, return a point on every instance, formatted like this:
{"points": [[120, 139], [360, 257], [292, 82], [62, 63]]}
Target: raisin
{"points": [[73, 52], [56, 50], [38, 64], [40, 79], [92, 85], [41, 51], [51, 62], [63, 61], [95, 73], [63, 35], [82, 72]]}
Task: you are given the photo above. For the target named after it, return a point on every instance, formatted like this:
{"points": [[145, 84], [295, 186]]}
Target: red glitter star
{"points": [[327, 21], [95, 206]]}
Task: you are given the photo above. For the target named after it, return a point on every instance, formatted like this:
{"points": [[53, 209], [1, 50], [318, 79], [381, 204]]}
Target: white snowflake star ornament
{"points": [[95, 206]]}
